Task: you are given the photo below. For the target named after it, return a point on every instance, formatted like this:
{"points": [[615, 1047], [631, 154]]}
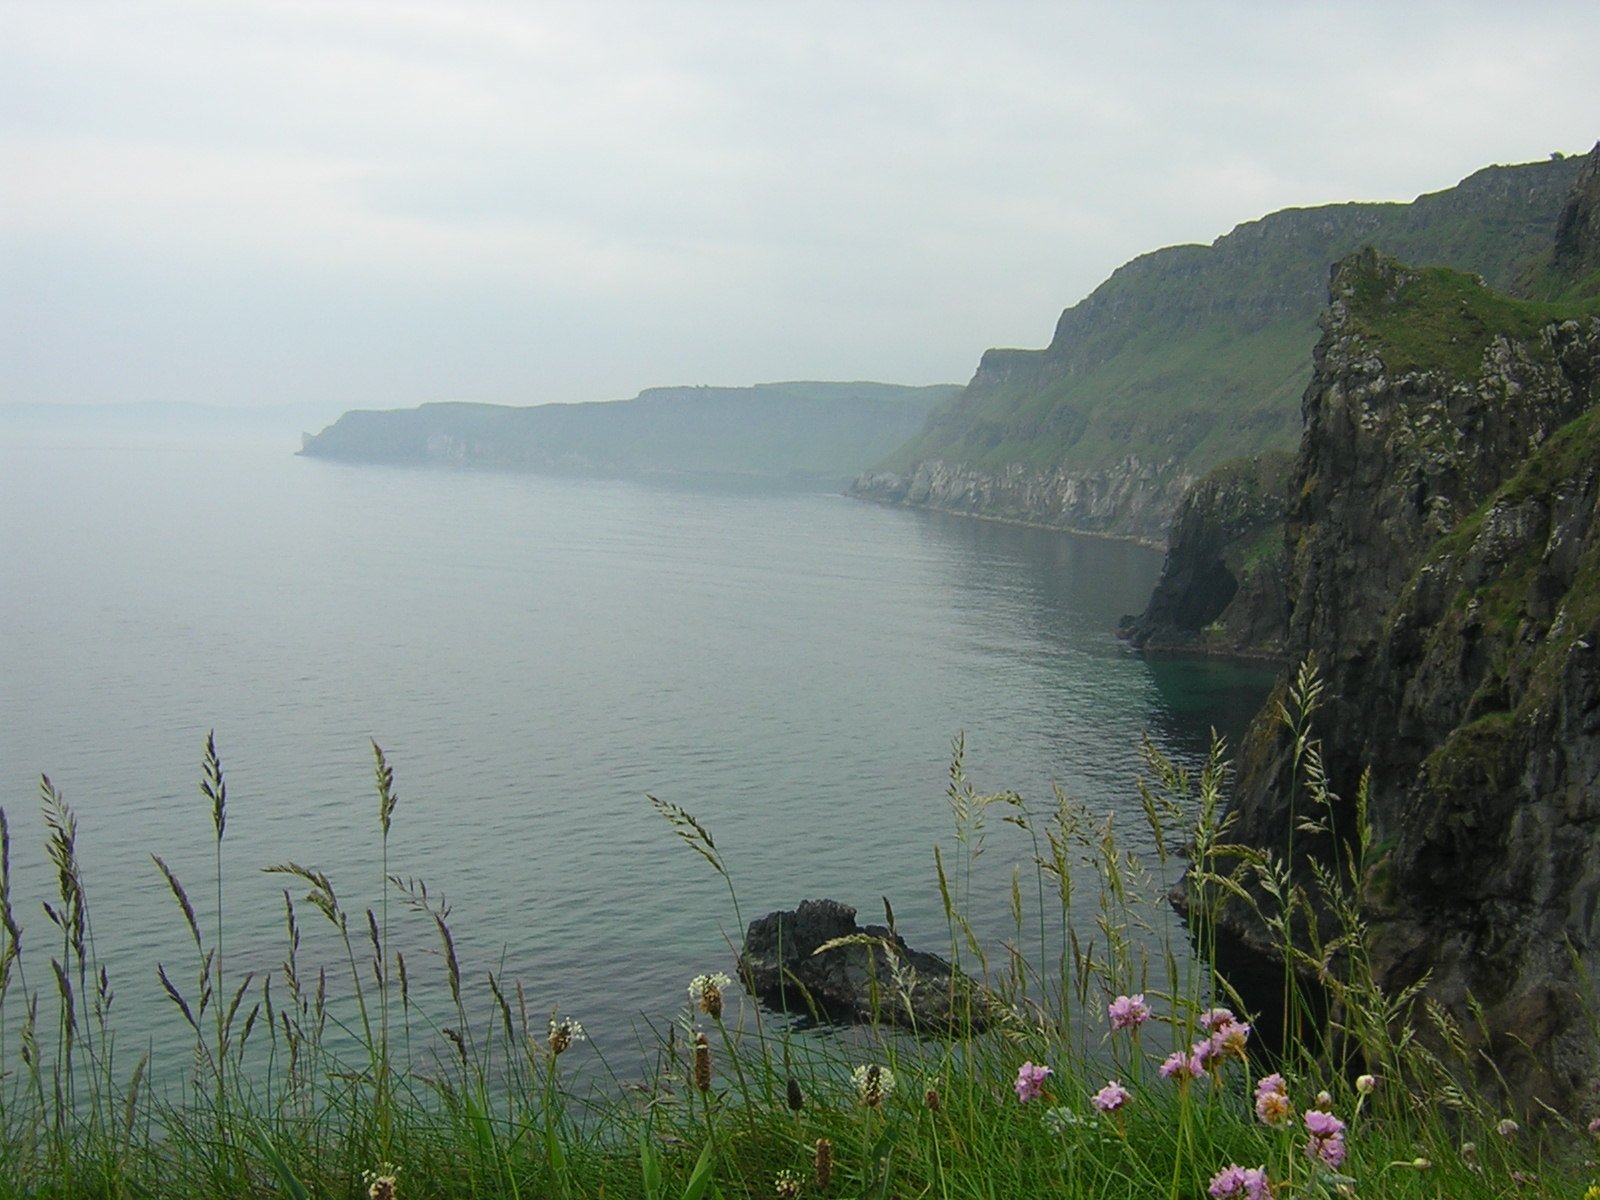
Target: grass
{"points": [[1437, 319], [328, 1079]]}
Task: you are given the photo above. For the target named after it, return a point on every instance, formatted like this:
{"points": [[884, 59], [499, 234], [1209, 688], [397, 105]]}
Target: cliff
{"points": [[1190, 356], [805, 434], [1442, 551], [1221, 589]]}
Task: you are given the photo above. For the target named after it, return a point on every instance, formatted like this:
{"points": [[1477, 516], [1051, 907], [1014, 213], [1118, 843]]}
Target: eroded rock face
{"points": [[1443, 550], [1221, 585], [876, 977], [1131, 499]]}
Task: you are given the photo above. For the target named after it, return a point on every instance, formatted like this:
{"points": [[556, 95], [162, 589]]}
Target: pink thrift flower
{"points": [[1330, 1151], [1111, 1097], [1181, 1066], [1251, 1183], [1227, 1182], [1229, 1039], [1323, 1124], [1128, 1012], [1594, 1127], [1272, 1101], [1214, 1019], [1327, 1137], [1030, 1081]]}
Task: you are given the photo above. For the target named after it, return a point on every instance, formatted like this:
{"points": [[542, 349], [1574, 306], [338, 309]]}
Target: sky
{"points": [[376, 205]]}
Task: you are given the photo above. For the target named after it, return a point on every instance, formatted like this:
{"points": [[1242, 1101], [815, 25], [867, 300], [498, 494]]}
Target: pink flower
{"points": [[1594, 1127], [1030, 1081], [1128, 1012], [1323, 1124], [1181, 1066], [1229, 1038], [1111, 1097], [1327, 1137], [1329, 1150], [1272, 1101], [1227, 1182], [1251, 1183], [1214, 1019]]}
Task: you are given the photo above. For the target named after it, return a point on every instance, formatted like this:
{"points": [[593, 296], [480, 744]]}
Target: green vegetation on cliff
{"points": [[1439, 319]]}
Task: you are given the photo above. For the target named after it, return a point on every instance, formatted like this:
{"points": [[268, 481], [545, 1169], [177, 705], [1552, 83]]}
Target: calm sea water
{"points": [[536, 655]]}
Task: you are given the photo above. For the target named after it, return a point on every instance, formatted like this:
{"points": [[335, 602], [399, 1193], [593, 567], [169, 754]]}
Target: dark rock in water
{"points": [[873, 975]]}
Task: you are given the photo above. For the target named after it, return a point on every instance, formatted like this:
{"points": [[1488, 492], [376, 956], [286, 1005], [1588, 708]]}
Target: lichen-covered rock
{"points": [[872, 975]]}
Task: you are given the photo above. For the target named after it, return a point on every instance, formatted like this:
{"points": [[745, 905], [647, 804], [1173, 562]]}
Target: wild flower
{"points": [[563, 1033], [702, 1063], [1229, 1038], [1214, 1019], [1249, 1182], [786, 1185], [1182, 1066], [1326, 1143], [1366, 1084], [381, 1182], [1273, 1106], [873, 1084], [1111, 1097], [930, 1097], [1030, 1081], [1594, 1127], [1507, 1128], [1592, 1193], [705, 993], [1128, 1012], [822, 1163]]}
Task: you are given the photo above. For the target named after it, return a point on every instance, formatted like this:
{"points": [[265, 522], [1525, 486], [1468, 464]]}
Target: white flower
{"points": [[563, 1033], [873, 1084], [705, 993]]}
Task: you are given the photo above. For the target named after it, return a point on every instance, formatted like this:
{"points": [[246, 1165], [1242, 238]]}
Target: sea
{"points": [[537, 658]]}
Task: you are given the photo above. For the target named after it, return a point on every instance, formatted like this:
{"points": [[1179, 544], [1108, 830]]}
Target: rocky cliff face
{"points": [[1443, 566], [1221, 589], [1190, 356], [1131, 498]]}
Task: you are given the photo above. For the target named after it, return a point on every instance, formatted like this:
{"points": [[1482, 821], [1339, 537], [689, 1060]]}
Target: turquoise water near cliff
{"points": [[535, 655]]}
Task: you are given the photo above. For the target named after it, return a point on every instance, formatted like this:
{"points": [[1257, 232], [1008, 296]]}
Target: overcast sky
{"points": [[381, 204]]}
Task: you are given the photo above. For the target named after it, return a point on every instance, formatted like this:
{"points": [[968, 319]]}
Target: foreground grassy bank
{"points": [[1113, 1063]]}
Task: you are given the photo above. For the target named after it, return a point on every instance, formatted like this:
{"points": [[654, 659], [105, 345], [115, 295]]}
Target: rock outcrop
{"points": [[1442, 546], [870, 974], [1221, 586]]}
